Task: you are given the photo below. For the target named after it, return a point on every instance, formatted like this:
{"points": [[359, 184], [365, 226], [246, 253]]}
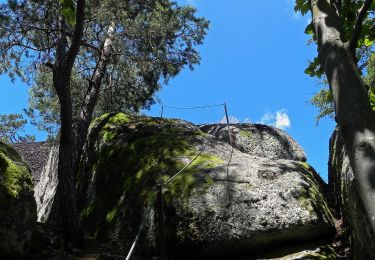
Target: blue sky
{"points": [[253, 59]]}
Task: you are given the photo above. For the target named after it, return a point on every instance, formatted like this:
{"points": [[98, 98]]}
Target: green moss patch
{"points": [[10, 152], [311, 197], [245, 133], [14, 175]]}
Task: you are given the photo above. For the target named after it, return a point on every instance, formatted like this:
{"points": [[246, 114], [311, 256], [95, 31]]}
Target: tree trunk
{"points": [[93, 90], [352, 109], [64, 210]]}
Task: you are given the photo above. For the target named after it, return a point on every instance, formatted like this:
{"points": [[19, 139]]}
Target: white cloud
{"points": [[247, 120], [267, 119], [232, 120], [282, 120], [279, 119]]}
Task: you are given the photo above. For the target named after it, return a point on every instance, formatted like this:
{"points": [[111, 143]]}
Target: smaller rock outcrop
{"points": [[42, 158], [346, 200], [17, 204], [259, 140], [45, 189]]}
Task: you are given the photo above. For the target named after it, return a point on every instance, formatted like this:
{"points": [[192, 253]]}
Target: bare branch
{"points": [[19, 43], [89, 45], [358, 25]]}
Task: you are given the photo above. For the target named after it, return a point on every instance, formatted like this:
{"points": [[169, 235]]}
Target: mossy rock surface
{"points": [[257, 203], [126, 157], [17, 204]]}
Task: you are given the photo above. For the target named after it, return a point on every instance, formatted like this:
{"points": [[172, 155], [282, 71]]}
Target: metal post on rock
{"points": [[227, 118]]}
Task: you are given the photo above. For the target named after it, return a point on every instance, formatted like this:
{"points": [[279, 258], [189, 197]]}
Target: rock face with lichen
{"points": [[17, 205], [254, 203], [42, 158], [259, 140], [346, 199]]}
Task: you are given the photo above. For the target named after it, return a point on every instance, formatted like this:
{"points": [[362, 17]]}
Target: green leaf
{"points": [[314, 69], [368, 42], [323, 100], [310, 71], [69, 11], [302, 6], [309, 29]]}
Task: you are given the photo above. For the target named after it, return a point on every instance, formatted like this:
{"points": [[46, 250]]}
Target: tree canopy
{"points": [[12, 129], [153, 41], [93, 49]]}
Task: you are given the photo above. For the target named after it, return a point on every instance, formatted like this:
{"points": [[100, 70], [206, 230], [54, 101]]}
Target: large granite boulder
{"points": [[259, 140], [346, 200], [17, 204], [260, 202]]}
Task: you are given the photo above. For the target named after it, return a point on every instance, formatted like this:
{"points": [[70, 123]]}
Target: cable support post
{"points": [[227, 119], [232, 149], [162, 110]]}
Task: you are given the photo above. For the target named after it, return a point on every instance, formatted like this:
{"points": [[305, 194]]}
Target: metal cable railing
{"points": [[159, 187]]}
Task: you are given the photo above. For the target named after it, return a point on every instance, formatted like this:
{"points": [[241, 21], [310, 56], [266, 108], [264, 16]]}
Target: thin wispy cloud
{"points": [[232, 120], [279, 119], [267, 118], [247, 120]]}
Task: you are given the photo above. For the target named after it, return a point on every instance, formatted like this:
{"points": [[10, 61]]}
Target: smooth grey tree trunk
{"points": [[352, 109]]}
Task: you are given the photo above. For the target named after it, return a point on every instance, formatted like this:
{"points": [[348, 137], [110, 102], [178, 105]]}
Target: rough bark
{"points": [[73, 134], [352, 109], [64, 210]]}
